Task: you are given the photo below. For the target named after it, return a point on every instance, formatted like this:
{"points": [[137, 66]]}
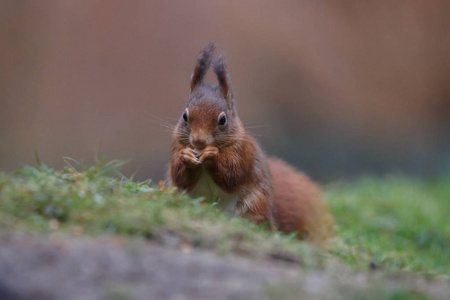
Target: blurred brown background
{"points": [[337, 88]]}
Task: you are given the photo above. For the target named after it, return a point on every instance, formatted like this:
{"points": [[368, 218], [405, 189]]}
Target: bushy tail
{"points": [[298, 204]]}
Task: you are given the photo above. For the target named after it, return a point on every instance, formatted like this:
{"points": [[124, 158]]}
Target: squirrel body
{"points": [[207, 188], [214, 157]]}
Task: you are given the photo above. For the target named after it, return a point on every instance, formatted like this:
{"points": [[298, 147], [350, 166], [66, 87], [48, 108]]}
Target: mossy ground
{"points": [[90, 202], [393, 224]]}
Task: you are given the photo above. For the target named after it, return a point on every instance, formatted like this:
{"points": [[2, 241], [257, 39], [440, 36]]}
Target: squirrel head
{"points": [[210, 117]]}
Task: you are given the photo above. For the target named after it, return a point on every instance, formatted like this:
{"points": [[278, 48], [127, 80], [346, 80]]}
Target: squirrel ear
{"points": [[202, 65], [220, 69]]}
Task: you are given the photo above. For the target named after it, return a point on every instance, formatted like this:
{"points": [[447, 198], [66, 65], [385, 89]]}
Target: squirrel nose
{"points": [[199, 143], [199, 139]]}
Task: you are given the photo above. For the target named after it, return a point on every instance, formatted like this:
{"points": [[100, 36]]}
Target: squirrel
{"points": [[214, 157]]}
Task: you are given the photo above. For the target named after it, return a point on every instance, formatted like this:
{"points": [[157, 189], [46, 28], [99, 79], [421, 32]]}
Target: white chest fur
{"points": [[207, 188]]}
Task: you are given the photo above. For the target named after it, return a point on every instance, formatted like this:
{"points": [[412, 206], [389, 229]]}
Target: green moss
{"points": [[91, 202], [392, 223]]}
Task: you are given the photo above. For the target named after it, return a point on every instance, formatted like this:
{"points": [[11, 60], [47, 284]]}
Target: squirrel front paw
{"points": [[208, 154], [189, 157]]}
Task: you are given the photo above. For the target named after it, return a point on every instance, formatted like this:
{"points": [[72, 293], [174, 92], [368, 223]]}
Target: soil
{"points": [[70, 267]]}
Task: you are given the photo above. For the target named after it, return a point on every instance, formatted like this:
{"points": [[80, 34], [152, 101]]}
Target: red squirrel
{"points": [[214, 157]]}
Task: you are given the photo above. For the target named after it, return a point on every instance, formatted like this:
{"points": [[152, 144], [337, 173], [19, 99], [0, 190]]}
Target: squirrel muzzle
{"points": [[199, 139]]}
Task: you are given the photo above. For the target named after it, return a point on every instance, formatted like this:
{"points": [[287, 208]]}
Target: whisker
{"points": [[255, 126], [171, 123]]}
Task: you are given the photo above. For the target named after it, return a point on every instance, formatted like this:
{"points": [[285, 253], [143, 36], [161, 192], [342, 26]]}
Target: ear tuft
{"points": [[202, 65], [220, 68]]}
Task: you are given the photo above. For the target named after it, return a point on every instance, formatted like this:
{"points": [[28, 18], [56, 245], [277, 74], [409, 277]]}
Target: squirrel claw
{"points": [[188, 156], [209, 153]]}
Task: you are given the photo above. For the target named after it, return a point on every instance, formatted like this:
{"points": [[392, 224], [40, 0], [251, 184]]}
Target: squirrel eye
{"points": [[185, 116], [222, 120]]}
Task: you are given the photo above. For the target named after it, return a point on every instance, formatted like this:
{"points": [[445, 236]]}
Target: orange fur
{"points": [[220, 161], [297, 203]]}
